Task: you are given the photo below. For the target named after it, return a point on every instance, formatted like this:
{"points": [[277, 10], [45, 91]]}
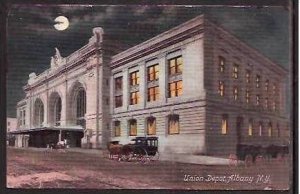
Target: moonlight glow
{"points": [[62, 23]]}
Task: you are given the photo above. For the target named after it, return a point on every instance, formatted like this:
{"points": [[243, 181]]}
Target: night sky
{"points": [[32, 37]]}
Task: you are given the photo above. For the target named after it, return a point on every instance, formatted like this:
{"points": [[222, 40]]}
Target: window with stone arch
{"points": [[38, 113], [132, 127], [80, 101], [57, 111], [173, 124], [151, 125]]}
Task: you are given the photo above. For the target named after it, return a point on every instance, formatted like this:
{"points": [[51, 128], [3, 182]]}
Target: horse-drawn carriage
{"points": [[141, 149]]}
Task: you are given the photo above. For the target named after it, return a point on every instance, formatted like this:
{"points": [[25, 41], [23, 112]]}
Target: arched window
{"points": [[270, 129], [38, 113], [151, 126], [260, 128], [80, 107], [224, 124], [57, 111], [250, 127]]}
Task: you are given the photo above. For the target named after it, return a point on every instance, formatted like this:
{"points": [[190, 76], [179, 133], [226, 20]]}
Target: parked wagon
{"points": [[141, 149]]}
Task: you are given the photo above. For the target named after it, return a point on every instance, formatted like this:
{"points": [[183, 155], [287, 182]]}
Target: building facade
{"points": [[196, 87]]}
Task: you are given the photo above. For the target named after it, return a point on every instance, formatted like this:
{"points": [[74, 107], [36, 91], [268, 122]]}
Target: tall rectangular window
{"points": [[257, 100], [118, 101], [134, 78], [267, 85], [221, 88], [266, 103], [134, 98], [235, 93], [24, 116], [274, 90], [173, 124], [224, 124], [153, 93], [250, 127], [117, 125], [274, 107], [175, 89], [221, 64], [248, 76], [257, 81], [132, 127], [153, 72], [235, 71], [270, 129], [260, 128], [175, 65], [247, 96], [118, 83], [151, 126]]}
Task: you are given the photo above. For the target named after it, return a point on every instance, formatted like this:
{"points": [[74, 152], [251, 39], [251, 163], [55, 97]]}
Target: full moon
{"points": [[61, 23]]}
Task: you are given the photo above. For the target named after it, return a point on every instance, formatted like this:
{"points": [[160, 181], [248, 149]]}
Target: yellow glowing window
{"points": [[274, 105], [132, 127], [235, 71], [221, 88], [250, 127], [221, 64], [153, 93], [153, 72], [224, 124], [134, 78], [248, 76], [117, 125], [134, 98], [151, 126], [173, 124], [175, 65], [235, 93], [247, 96], [175, 89]]}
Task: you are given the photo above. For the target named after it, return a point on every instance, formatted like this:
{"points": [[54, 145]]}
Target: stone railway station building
{"points": [[196, 87]]}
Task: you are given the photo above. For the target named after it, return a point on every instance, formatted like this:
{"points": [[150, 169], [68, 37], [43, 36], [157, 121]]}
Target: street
{"points": [[38, 168]]}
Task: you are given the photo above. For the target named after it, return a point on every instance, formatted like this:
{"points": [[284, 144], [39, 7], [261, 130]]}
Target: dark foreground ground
{"points": [[29, 168]]}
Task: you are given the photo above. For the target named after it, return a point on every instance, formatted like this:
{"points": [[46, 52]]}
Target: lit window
{"points": [[118, 83], [260, 128], [132, 127], [117, 125], [175, 65], [221, 64], [153, 93], [224, 124], [270, 129], [221, 88], [250, 127], [118, 101], [235, 93], [257, 100], [134, 78], [247, 96], [173, 124], [274, 89], [175, 89], [257, 81], [274, 106], [153, 72], [235, 71], [267, 85], [248, 74], [151, 126], [134, 98]]}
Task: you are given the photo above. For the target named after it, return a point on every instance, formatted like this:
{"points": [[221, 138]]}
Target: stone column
{"points": [[163, 86], [142, 85], [64, 105], [125, 89]]}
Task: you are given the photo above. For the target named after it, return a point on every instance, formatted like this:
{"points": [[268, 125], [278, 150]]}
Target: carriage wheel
{"points": [[142, 155]]}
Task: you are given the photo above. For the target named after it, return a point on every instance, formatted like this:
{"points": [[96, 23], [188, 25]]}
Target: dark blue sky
{"points": [[32, 37]]}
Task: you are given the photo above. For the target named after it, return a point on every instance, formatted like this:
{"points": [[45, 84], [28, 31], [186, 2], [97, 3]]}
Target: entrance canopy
{"points": [[28, 131]]}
